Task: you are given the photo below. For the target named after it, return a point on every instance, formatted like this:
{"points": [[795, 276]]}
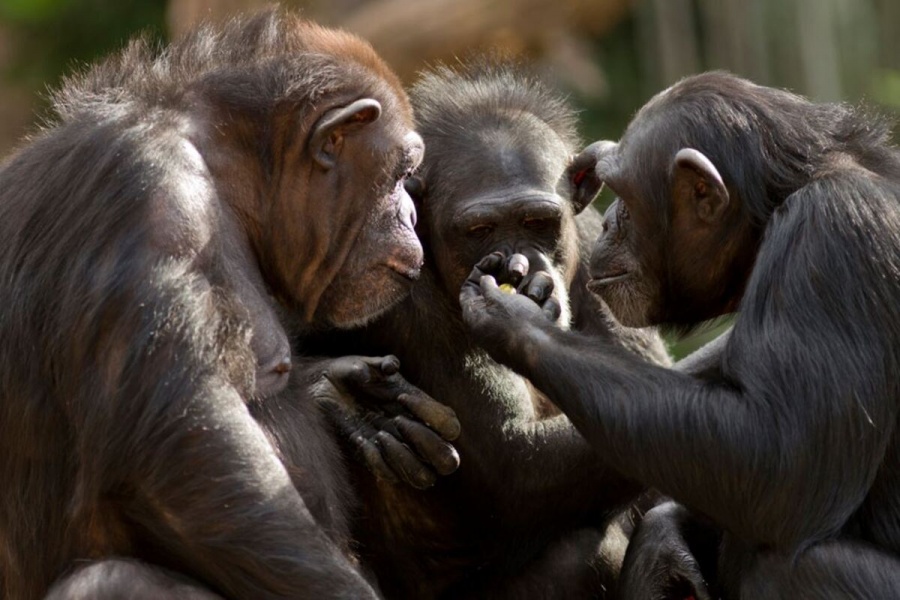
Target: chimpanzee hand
{"points": [[382, 415], [667, 556], [496, 314]]}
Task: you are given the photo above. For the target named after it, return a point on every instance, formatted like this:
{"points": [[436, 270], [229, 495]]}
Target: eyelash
{"points": [[479, 232], [539, 224]]}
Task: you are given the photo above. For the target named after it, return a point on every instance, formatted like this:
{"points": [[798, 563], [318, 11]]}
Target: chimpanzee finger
{"points": [[390, 365], [434, 450], [370, 455], [551, 309], [538, 287], [362, 373], [439, 417], [360, 434], [402, 460], [382, 391], [491, 264], [514, 269], [351, 370], [471, 287]]}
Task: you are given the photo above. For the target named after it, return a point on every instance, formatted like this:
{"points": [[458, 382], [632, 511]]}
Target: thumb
{"points": [[488, 285]]}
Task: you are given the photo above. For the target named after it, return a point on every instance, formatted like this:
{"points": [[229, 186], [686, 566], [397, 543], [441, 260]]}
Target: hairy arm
{"points": [[504, 442], [207, 485], [784, 448]]}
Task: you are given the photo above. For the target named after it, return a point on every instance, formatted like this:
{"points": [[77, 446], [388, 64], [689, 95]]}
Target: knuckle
{"points": [[424, 478]]}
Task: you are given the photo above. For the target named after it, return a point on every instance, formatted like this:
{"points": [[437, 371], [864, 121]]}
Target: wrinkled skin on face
{"points": [[515, 207], [359, 221], [387, 254], [635, 267]]}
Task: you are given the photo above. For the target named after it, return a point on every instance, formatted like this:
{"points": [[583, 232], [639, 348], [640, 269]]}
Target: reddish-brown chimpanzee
{"points": [[737, 197], [154, 234]]}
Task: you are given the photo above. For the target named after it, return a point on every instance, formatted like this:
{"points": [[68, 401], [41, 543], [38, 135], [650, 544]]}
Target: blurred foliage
{"points": [[52, 36], [828, 49], [886, 88]]}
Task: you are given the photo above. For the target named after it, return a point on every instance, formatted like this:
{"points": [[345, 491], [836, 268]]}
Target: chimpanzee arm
{"points": [[787, 446], [166, 429], [500, 429], [706, 361]]}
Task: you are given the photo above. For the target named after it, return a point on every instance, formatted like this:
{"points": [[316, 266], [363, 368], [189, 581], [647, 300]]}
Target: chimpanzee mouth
{"points": [[404, 271], [608, 279]]}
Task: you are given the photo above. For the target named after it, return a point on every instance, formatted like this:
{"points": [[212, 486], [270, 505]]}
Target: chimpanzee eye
{"points": [[539, 223], [404, 170], [479, 232]]}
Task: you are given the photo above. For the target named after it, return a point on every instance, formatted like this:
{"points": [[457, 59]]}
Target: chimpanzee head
{"points": [[310, 148], [697, 176], [498, 174]]}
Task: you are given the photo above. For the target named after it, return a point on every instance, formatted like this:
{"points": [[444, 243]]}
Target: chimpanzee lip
{"points": [[404, 271]]}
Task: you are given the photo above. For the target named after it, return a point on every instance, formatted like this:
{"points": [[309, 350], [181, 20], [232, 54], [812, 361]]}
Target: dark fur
{"points": [[524, 515], [789, 441], [142, 245]]}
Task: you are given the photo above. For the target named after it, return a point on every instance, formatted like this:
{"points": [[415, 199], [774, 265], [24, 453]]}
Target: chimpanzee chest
{"points": [[313, 460]]}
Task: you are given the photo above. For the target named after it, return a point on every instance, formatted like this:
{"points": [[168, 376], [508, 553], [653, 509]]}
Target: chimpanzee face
{"points": [[351, 209], [497, 189], [675, 243]]}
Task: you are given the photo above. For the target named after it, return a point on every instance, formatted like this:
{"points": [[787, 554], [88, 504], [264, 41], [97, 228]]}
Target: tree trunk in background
{"points": [[735, 36], [183, 14], [17, 99], [826, 49], [668, 41], [887, 13], [410, 35], [817, 46]]}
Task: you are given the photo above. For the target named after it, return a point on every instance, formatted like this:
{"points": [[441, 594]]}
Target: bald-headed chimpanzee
{"points": [[735, 197], [524, 514], [152, 235]]}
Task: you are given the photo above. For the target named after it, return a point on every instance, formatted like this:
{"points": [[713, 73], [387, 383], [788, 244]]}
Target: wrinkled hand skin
{"points": [[664, 557], [398, 431], [501, 321]]}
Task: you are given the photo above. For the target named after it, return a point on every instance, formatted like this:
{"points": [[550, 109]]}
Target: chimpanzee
{"points": [[152, 235], [736, 197], [524, 515]]}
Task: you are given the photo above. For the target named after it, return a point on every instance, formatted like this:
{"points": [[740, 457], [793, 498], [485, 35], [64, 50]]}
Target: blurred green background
{"points": [[609, 55]]}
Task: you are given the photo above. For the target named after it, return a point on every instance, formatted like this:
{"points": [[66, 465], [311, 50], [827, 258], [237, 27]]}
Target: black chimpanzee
{"points": [[736, 197], [524, 515], [153, 237]]}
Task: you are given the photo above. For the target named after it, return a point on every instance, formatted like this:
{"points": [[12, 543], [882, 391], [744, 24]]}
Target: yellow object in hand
{"points": [[507, 288]]}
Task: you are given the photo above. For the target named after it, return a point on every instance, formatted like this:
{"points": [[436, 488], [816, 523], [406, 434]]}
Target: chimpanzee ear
{"points": [[327, 136], [696, 176]]}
